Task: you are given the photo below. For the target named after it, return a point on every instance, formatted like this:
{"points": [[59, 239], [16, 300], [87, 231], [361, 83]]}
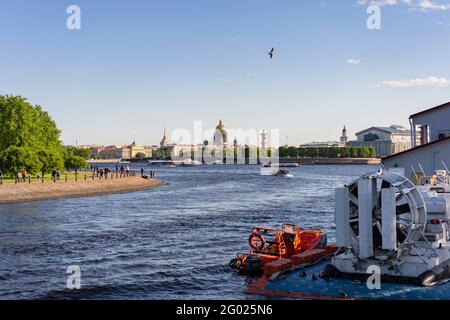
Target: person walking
{"points": [[128, 171]]}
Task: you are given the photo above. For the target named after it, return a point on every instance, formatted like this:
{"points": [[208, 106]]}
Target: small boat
{"points": [[281, 165], [283, 173], [190, 163], [270, 244], [162, 163]]}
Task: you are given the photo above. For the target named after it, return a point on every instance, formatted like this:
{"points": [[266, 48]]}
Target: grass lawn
{"points": [[71, 176]]}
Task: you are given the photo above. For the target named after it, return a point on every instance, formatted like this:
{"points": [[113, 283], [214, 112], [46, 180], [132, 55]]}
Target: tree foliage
{"points": [[19, 159], [75, 163], [80, 152], [139, 155], [29, 138], [332, 152]]}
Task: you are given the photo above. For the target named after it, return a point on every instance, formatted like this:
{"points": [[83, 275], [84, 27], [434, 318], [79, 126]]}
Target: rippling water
{"points": [[173, 242]]}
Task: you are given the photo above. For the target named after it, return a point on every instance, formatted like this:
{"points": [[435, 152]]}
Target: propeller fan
{"points": [[386, 215]]}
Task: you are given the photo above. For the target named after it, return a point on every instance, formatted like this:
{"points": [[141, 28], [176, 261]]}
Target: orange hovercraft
{"points": [[270, 244]]}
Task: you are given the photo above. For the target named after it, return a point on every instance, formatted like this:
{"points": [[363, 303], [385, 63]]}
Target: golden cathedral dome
{"points": [[221, 127], [221, 134]]}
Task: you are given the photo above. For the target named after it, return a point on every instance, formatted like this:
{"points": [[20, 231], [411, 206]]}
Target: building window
{"points": [[371, 137]]}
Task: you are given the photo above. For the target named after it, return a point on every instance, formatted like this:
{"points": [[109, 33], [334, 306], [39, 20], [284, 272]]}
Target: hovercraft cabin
{"points": [[429, 153]]}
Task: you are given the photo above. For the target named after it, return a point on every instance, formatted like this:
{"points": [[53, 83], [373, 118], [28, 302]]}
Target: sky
{"points": [[139, 65]]}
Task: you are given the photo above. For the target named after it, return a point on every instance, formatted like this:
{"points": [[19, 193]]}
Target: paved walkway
{"points": [[21, 192]]}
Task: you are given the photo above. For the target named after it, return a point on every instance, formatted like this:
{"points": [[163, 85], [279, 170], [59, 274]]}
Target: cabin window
{"points": [[417, 178], [438, 190]]}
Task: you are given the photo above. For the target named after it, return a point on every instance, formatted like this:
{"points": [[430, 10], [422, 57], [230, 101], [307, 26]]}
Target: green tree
{"points": [[344, 152], [292, 152], [283, 152], [353, 152], [17, 159], [24, 131], [50, 160], [75, 163], [80, 152], [139, 156]]}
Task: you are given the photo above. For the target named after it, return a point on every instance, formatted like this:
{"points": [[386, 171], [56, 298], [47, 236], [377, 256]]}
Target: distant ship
{"points": [[190, 163], [162, 163]]}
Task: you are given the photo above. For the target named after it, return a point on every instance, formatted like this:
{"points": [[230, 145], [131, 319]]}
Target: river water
{"points": [[172, 242]]}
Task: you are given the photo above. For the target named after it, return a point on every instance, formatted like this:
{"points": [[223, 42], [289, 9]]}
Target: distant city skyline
{"points": [[134, 68]]}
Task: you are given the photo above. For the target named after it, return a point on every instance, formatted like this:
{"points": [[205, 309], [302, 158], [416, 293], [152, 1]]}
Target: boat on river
{"points": [[190, 163], [275, 172], [392, 242], [162, 163], [268, 246]]}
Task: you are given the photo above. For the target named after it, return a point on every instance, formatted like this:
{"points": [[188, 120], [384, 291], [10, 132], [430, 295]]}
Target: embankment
{"points": [[341, 161], [24, 192]]}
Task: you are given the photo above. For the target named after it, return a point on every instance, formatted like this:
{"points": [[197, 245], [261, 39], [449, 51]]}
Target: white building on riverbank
{"points": [[431, 151]]}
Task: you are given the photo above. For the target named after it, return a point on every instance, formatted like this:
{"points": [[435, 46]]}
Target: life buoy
{"points": [[256, 242]]}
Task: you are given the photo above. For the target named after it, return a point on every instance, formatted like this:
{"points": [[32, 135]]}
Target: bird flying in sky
{"points": [[271, 53]]}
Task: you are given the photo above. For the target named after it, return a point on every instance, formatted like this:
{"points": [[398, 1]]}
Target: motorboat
{"points": [[190, 163], [162, 163], [275, 172], [270, 244], [283, 173]]}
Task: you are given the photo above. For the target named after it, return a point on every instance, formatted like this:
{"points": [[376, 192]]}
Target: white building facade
{"points": [[431, 150], [385, 140]]}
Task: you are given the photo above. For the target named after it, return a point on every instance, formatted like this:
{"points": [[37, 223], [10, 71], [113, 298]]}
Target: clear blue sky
{"points": [[137, 64]]}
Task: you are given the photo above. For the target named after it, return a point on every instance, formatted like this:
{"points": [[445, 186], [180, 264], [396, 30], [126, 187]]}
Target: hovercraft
{"points": [[269, 244]]}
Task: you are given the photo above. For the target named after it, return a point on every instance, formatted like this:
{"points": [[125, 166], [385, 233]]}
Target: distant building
{"points": [[220, 135], [385, 140], [263, 140], [431, 151], [328, 144], [124, 152], [164, 141], [325, 144], [136, 149], [95, 149], [344, 138], [115, 152], [179, 151]]}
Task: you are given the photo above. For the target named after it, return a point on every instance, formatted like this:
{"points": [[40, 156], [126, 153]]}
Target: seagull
{"points": [[271, 53]]}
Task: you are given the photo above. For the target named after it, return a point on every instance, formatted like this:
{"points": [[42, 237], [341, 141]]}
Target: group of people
{"points": [[104, 172], [21, 176], [152, 174], [56, 175]]}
